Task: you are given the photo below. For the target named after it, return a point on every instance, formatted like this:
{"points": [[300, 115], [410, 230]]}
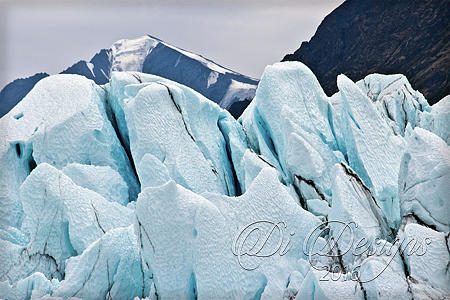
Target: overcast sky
{"points": [[37, 36]]}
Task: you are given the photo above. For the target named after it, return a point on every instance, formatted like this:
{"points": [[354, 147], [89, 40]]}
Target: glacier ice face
{"points": [[183, 254], [383, 277], [353, 203], [430, 265], [401, 106], [438, 119], [101, 179], [18, 264], [295, 281], [373, 151], [304, 133], [35, 286], [151, 171], [62, 218], [39, 131], [252, 164], [180, 254], [210, 189], [293, 132], [161, 120], [424, 179], [111, 268], [16, 90], [395, 100], [315, 288]]}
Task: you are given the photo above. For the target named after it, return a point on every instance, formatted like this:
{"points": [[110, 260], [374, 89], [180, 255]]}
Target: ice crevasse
{"points": [[144, 188]]}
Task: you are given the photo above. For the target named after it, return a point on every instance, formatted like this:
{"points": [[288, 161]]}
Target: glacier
{"points": [[140, 187]]}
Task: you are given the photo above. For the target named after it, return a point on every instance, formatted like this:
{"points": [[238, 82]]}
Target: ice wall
{"points": [[142, 187]]}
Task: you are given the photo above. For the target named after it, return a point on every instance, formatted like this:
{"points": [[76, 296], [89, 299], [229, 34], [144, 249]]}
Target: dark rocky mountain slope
{"points": [[16, 90], [362, 37]]}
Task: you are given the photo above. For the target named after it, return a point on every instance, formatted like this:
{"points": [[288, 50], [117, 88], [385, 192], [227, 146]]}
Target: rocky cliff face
{"points": [[363, 37]]}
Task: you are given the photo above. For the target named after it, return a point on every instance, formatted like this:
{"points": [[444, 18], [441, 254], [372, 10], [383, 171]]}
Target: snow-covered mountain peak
{"points": [[129, 54], [151, 55]]}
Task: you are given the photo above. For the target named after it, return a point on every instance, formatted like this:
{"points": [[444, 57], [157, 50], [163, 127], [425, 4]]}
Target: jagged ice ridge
{"points": [[138, 187]]}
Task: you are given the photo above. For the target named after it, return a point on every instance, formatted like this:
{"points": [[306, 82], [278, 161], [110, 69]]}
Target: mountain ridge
{"points": [[389, 37], [152, 55]]}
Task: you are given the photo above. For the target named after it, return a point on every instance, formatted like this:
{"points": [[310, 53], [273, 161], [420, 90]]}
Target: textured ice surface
{"points": [[252, 164], [315, 288], [431, 265], [424, 180], [101, 179], [438, 120], [395, 100], [62, 218], [183, 254], [62, 120], [110, 268], [288, 123], [74, 156], [372, 150], [400, 105], [34, 286], [384, 277], [353, 202], [162, 120]]}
